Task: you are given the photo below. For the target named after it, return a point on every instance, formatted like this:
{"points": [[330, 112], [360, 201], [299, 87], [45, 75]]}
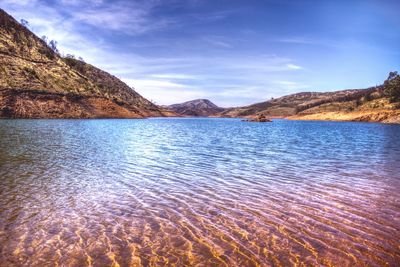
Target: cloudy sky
{"points": [[231, 52]]}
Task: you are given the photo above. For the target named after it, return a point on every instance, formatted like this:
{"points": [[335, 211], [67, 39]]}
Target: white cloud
{"points": [[293, 66], [137, 83], [165, 92], [80, 2], [229, 79], [217, 42], [174, 76], [301, 40], [18, 2], [290, 85], [297, 40], [132, 19]]}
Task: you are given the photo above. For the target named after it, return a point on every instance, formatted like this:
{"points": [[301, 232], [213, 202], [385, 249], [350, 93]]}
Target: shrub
{"points": [[391, 86], [367, 97], [47, 52], [31, 73], [75, 64], [53, 46], [24, 23]]}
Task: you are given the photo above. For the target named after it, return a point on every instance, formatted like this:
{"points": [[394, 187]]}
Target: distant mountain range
{"points": [[290, 105], [36, 82], [197, 108], [347, 105]]}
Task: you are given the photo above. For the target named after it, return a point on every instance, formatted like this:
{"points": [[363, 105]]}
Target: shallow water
{"points": [[206, 192]]}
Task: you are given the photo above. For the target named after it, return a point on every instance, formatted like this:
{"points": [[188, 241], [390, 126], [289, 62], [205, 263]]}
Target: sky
{"points": [[229, 51]]}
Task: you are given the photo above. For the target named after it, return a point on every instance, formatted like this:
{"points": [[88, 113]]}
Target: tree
{"points": [[24, 23], [70, 56], [53, 46], [391, 87]]}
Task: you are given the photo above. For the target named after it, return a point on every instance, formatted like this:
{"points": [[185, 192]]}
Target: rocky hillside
{"points": [[36, 82], [198, 108], [292, 104], [347, 105], [373, 108]]}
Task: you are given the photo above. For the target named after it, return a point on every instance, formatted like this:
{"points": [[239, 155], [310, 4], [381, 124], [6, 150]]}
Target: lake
{"points": [[205, 192]]}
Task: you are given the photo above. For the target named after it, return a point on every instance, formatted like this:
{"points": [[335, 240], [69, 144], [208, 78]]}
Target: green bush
{"points": [[75, 63], [391, 87], [31, 73], [47, 52]]}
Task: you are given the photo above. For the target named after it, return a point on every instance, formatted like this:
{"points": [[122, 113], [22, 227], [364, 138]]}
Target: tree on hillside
{"points": [[70, 56], [24, 23], [53, 46], [391, 86]]}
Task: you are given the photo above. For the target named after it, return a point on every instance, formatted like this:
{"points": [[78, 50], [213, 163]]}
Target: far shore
{"points": [[382, 116]]}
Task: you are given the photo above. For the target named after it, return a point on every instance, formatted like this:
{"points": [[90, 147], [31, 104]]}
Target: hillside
{"points": [[346, 105], [36, 82], [291, 104], [198, 108], [374, 110]]}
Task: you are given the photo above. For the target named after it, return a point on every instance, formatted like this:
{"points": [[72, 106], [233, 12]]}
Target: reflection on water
{"points": [[208, 192]]}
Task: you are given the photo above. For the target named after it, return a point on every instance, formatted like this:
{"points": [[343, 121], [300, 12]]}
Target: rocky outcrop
{"points": [[259, 118]]}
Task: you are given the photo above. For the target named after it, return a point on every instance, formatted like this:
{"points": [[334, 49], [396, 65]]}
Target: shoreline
{"points": [[380, 116]]}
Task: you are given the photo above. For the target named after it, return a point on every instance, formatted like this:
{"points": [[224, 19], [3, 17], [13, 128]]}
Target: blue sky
{"points": [[231, 52]]}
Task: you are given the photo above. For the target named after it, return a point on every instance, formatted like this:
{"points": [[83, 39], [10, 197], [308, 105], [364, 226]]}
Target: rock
{"points": [[259, 118]]}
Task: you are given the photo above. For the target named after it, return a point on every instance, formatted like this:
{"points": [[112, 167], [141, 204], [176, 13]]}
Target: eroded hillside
{"points": [[30, 69]]}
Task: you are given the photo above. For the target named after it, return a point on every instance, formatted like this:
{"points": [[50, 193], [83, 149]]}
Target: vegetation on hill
{"points": [[295, 103], [198, 107], [379, 103], [391, 86], [31, 64]]}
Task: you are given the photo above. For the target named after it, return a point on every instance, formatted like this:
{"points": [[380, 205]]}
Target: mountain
{"points": [[198, 108], [36, 82], [347, 105]]}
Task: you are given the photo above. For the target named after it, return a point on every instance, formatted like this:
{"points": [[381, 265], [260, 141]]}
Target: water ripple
{"points": [[198, 192]]}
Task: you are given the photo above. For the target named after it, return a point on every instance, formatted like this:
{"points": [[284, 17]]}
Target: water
{"points": [[205, 192]]}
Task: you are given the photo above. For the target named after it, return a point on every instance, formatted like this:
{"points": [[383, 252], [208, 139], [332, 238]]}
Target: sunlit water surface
{"points": [[205, 192]]}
